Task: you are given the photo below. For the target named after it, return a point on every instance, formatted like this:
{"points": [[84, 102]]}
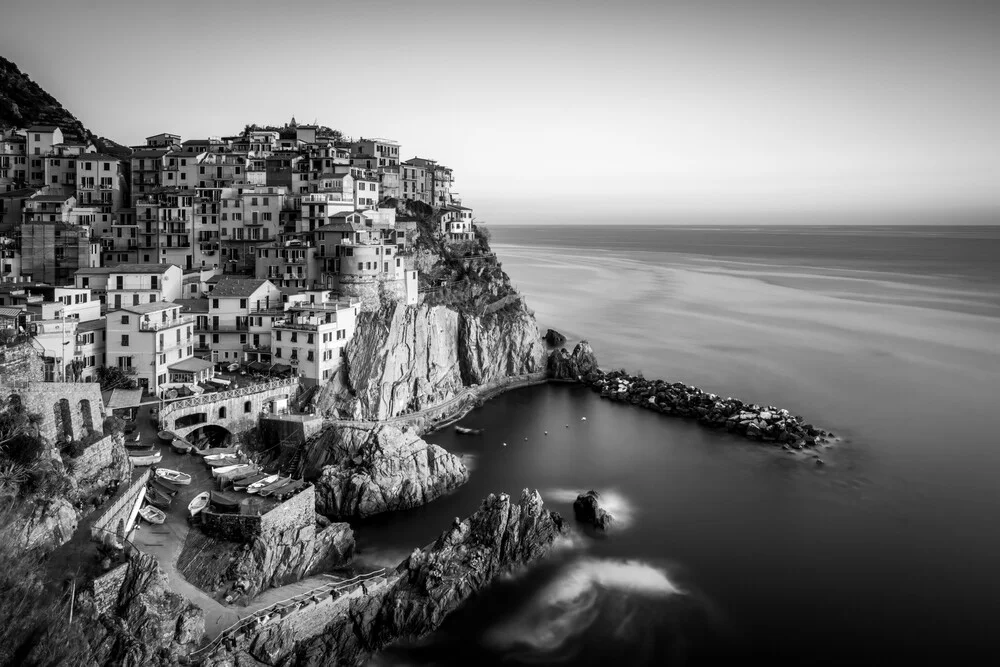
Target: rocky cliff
{"points": [[500, 537], [133, 618], [360, 472], [404, 359], [236, 558]]}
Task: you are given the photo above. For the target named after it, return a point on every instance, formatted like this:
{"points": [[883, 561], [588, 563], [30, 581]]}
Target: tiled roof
{"points": [[140, 268], [145, 308], [193, 305], [236, 287], [43, 128]]}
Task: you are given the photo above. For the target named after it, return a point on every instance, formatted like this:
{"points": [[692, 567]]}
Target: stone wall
{"points": [[298, 511], [233, 401], [86, 409], [120, 510], [19, 364], [101, 463], [235, 527], [106, 588]]}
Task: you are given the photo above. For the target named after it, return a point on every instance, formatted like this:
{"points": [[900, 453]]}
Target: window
{"points": [[309, 356], [246, 406], [215, 303], [222, 413], [277, 335], [124, 340], [124, 319], [243, 303]]}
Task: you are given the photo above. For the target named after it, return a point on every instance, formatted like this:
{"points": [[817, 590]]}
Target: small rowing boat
{"points": [[199, 503], [289, 490], [274, 486], [224, 503], [462, 430], [220, 457], [166, 436], [138, 448], [225, 463], [235, 467], [181, 446], [215, 450], [173, 476], [152, 514], [145, 460], [260, 484], [154, 497], [243, 483], [166, 488]]}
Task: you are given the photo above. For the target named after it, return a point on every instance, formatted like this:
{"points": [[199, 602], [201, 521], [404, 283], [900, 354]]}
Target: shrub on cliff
{"points": [[34, 615]]}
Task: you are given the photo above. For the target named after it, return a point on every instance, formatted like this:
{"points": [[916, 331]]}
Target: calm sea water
{"points": [[728, 550]]}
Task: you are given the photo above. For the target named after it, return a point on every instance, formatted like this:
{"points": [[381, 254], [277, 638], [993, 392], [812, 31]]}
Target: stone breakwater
{"points": [[750, 420]]}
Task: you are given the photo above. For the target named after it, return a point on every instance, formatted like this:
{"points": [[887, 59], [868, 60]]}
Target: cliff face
{"points": [[500, 537], [140, 621], [404, 359], [369, 471]]}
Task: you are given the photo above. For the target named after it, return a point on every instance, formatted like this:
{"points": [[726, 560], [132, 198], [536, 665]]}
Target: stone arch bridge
{"points": [[234, 410]]}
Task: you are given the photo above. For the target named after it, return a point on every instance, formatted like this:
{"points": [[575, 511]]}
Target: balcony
{"points": [[160, 324], [242, 327], [272, 312], [257, 348]]}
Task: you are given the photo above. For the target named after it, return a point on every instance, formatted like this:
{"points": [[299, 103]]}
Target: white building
{"points": [[149, 339], [313, 334]]}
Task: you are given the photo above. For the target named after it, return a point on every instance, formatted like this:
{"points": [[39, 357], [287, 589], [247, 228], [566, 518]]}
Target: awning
{"points": [[124, 398], [191, 365], [281, 368], [258, 366]]}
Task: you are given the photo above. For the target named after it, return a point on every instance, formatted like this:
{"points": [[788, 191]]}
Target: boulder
{"points": [[554, 338], [588, 510], [578, 365]]}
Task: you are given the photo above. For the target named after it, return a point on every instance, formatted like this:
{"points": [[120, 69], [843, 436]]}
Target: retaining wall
{"points": [[106, 588], [120, 509]]}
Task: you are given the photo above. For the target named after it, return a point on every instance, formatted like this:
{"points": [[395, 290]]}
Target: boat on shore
{"points": [[288, 490], [166, 436], [242, 468], [138, 448], [198, 503], [226, 462], [222, 456], [210, 451], [243, 483], [152, 514], [262, 483], [181, 446], [163, 487], [145, 459], [274, 486], [173, 476], [157, 498], [224, 503], [462, 430]]}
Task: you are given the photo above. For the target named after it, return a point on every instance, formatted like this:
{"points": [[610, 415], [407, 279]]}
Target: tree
{"points": [[112, 377]]}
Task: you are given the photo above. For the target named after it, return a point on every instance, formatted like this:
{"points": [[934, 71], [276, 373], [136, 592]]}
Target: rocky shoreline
{"points": [[767, 424]]}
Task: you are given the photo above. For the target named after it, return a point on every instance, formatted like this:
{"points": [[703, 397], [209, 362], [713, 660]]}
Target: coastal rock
{"points": [[579, 364], [554, 338], [502, 536], [361, 472], [45, 524], [284, 551], [403, 359], [141, 621], [588, 510]]}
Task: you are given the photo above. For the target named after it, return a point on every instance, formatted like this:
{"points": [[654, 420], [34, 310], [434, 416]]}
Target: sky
{"points": [[558, 111]]}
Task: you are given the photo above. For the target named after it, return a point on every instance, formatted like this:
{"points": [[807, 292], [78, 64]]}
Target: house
{"points": [[290, 263], [456, 223], [384, 151], [313, 334], [147, 340], [164, 139], [230, 304], [132, 284], [41, 139], [99, 180]]}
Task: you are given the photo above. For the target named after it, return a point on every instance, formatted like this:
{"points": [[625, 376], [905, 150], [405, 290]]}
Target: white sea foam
{"points": [[611, 500], [570, 603]]}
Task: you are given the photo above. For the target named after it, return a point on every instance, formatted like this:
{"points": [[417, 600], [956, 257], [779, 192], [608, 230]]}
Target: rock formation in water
{"points": [[588, 510], [403, 359], [578, 365], [554, 338], [361, 471], [500, 537], [766, 423]]}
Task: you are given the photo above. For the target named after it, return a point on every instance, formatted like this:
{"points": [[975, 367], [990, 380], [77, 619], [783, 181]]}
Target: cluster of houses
{"points": [[176, 259]]}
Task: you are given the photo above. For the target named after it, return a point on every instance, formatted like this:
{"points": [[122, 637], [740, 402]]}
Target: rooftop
{"points": [[43, 128], [91, 325], [236, 287], [193, 305], [191, 365]]}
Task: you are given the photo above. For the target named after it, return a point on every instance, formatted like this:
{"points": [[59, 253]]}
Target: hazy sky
{"points": [[557, 110]]}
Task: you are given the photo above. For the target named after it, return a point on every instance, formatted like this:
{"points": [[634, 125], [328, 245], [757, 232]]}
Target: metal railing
{"points": [[292, 604], [160, 324]]}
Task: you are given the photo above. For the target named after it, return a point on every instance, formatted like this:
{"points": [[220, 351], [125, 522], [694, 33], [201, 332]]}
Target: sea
{"points": [[726, 551]]}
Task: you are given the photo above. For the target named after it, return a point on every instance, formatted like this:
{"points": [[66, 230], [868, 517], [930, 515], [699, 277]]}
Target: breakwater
{"points": [[764, 423]]}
